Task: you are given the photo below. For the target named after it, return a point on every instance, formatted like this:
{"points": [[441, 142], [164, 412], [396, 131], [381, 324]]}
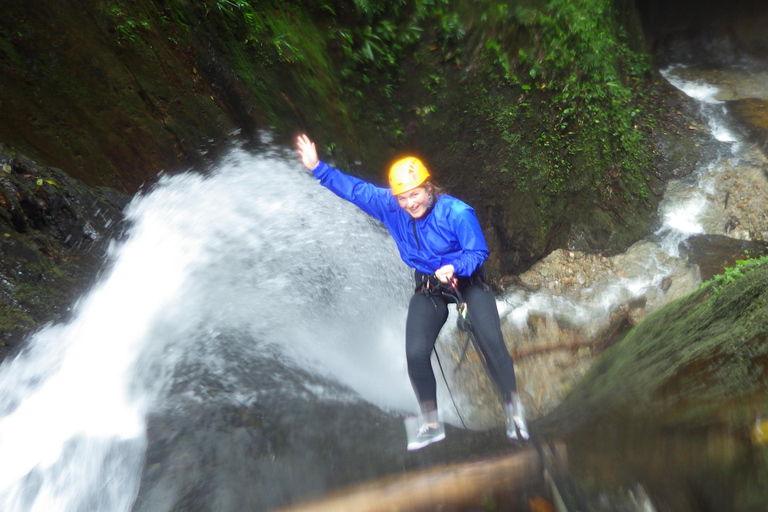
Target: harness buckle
{"points": [[462, 322]]}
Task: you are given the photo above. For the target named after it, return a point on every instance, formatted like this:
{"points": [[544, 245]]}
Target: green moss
{"points": [[577, 58], [691, 358], [734, 273], [8, 48], [15, 318]]}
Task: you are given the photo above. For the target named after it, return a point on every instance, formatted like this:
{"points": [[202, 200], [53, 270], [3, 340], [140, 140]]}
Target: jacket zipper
{"points": [[416, 235]]}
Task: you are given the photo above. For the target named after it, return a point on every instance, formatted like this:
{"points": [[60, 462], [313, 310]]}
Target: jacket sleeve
{"points": [[373, 200], [474, 250]]}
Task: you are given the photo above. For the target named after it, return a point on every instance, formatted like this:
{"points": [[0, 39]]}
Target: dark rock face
{"points": [[78, 94], [713, 253], [706, 32], [53, 236], [281, 449]]}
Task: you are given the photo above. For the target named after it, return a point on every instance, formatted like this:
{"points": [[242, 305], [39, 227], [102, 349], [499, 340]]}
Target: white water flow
{"points": [[258, 248], [687, 204], [687, 208]]}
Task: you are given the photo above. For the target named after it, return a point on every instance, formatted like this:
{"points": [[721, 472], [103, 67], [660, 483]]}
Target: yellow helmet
{"points": [[407, 174]]}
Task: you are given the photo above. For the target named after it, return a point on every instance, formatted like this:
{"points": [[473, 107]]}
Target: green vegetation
{"points": [[578, 61], [127, 28], [7, 47], [568, 63], [535, 108], [733, 274]]}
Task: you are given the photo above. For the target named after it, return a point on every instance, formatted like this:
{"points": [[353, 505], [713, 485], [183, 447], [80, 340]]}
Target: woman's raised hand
{"points": [[307, 152]]}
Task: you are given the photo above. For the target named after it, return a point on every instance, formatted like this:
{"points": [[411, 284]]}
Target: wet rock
{"points": [[53, 236], [715, 34], [537, 322], [743, 186], [751, 115], [637, 302], [713, 253], [555, 345]]}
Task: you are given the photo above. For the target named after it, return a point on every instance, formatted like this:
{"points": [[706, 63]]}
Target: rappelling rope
{"points": [[456, 408], [463, 325], [561, 479]]}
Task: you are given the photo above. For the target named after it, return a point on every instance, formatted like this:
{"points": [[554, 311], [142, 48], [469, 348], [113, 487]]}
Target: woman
{"points": [[440, 237]]}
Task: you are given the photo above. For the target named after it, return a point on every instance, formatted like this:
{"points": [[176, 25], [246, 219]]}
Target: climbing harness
{"points": [[432, 286]]}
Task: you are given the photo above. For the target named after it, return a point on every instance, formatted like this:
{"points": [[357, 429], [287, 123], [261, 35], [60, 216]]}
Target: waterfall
{"points": [[254, 251], [687, 203], [252, 288]]}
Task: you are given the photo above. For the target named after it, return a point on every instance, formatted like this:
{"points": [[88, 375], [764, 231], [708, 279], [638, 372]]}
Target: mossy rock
{"points": [[54, 231], [702, 359]]}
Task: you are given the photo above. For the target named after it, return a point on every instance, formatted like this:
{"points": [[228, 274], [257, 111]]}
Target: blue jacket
{"points": [[449, 234]]}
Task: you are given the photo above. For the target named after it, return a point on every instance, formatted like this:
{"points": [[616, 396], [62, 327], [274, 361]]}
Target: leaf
{"points": [[367, 51], [39, 182]]}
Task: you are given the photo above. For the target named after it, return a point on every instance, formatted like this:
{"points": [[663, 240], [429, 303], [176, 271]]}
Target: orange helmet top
{"points": [[406, 174]]}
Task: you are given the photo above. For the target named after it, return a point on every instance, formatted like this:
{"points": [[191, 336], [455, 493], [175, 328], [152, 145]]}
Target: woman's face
{"points": [[415, 201]]}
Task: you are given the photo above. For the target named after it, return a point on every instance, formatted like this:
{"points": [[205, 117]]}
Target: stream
{"points": [[243, 350]]}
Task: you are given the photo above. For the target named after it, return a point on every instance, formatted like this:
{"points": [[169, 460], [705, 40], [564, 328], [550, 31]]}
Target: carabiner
{"points": [[462, 322]]}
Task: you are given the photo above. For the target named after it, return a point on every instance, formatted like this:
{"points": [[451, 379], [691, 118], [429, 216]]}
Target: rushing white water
{"points": [[687, 202], [256, 247]]}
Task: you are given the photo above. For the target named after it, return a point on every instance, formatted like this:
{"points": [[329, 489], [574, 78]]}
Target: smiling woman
{"points": [[417, 201], [439, 237]]}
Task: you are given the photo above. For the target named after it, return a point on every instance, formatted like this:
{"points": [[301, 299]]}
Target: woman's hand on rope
{"points": [[445, 273], [307, 152]]}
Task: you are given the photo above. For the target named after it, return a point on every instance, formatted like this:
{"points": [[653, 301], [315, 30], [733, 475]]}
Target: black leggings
{"points": [[426, 316]]}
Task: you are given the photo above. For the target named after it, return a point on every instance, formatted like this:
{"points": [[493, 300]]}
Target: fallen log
{"points": [[553, 347], [455, 487], [618, 328]]}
